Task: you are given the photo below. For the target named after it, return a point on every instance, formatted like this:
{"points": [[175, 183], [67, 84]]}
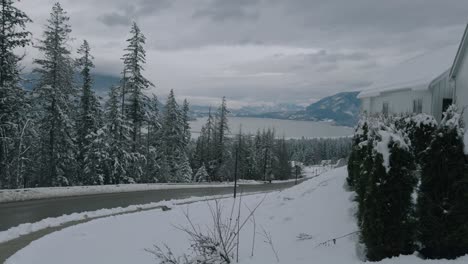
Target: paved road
{"points": [[15, 213], [12, 214]]}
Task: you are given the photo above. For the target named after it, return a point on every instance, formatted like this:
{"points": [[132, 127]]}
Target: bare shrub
{"points": [[215, 244]]}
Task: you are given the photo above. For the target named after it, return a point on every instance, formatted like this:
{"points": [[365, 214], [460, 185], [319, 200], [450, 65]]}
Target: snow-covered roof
{"points": [[415, 74]]}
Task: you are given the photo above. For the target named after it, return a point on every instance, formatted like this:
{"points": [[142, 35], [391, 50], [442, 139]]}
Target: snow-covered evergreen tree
{"points": [[172, 136], [282, 166], [117, 132], [135, 83], [185, 122], [201, 175], [54, 102], [442, 199], [184, 171], [220, 131], [88, 121], [153, 142], [387, 219], [420, 129], [13, 119]]}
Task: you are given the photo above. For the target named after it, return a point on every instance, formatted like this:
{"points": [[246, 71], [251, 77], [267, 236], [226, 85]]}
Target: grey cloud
{"points": [[221, 10], [134, 10], [334, 57], [115, 19], [316, 47]]}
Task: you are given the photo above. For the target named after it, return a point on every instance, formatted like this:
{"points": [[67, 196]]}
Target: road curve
{"points": [[15, 213]]}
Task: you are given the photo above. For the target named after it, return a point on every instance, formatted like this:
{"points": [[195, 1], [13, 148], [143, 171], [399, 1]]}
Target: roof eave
{"points": [[460, 53]]}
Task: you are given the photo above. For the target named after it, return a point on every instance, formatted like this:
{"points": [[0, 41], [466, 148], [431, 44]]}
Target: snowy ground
{"points": [[299, 220]]}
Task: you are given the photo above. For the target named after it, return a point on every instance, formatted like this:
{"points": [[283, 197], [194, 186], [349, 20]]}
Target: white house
{"points": [[459, 76], [418, 85], [428, 83]]}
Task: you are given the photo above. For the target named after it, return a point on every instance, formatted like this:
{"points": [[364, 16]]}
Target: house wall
{"points": [[365, 105], [461, 88], [401, 102], [441, 89]]}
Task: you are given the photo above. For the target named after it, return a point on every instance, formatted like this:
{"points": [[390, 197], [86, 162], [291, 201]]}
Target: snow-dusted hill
{"points": [[302, 221], [341, 109]]}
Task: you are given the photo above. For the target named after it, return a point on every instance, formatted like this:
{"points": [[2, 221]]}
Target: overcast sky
{"points": [[259, 51]]}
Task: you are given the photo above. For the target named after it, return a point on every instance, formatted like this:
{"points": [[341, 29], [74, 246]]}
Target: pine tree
{"points": [[282, 167], [117, 131], [442, 206], [12, 97], [220, 131], [135, 83], [201, 175], [88, 119], [184, 171], [185, 122], [153, 142], [172, 135], [54, 100]]}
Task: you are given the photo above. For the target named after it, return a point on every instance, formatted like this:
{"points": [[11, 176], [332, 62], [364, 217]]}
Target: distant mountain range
{"points": [[101, 82], [340, 109]]}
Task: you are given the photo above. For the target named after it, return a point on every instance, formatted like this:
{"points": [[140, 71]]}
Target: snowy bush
{"points": [[387, 218], [442, 206], [420, 129], [382, 173]]}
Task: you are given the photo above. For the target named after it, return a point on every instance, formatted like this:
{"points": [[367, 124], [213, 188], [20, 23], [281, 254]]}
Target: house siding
{"points": [[401, 102], [461, 90], [441, 89]]}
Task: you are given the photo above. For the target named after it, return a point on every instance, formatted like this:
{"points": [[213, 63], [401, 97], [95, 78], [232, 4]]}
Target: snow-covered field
{"points": [[299, 220]]}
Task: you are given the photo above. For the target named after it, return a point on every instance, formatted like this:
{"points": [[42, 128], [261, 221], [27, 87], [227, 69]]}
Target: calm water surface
{"points": [[287, 128]]}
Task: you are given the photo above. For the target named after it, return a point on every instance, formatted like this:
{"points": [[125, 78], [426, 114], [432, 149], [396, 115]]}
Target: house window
{"points": [[385, 108], [417, 106], [446, 102]]}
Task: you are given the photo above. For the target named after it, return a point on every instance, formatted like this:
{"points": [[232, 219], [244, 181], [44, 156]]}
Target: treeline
{"points": [[410, 176], [313, 151], [60, 134], [257, 157]]}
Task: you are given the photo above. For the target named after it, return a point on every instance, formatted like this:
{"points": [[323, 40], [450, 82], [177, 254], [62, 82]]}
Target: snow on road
{"points": [[299, 220], [17, 195], [55, 192]]}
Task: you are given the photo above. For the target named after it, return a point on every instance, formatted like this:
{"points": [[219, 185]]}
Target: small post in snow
{"points": [[235, 172], [235, 163], [297, 168]]}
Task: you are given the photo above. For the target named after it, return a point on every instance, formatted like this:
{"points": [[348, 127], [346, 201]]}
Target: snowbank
{"points": [[28, 228], [56, 192], [300, 220]]}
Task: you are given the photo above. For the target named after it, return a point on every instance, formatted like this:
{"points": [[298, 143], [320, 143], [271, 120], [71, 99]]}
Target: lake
{"points": [[286, 128]]}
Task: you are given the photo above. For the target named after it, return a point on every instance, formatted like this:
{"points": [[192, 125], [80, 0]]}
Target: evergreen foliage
{"points": [[14, 121], [54, 102], [135, 83], [201, 175], [442, 206], [88, 123]]}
